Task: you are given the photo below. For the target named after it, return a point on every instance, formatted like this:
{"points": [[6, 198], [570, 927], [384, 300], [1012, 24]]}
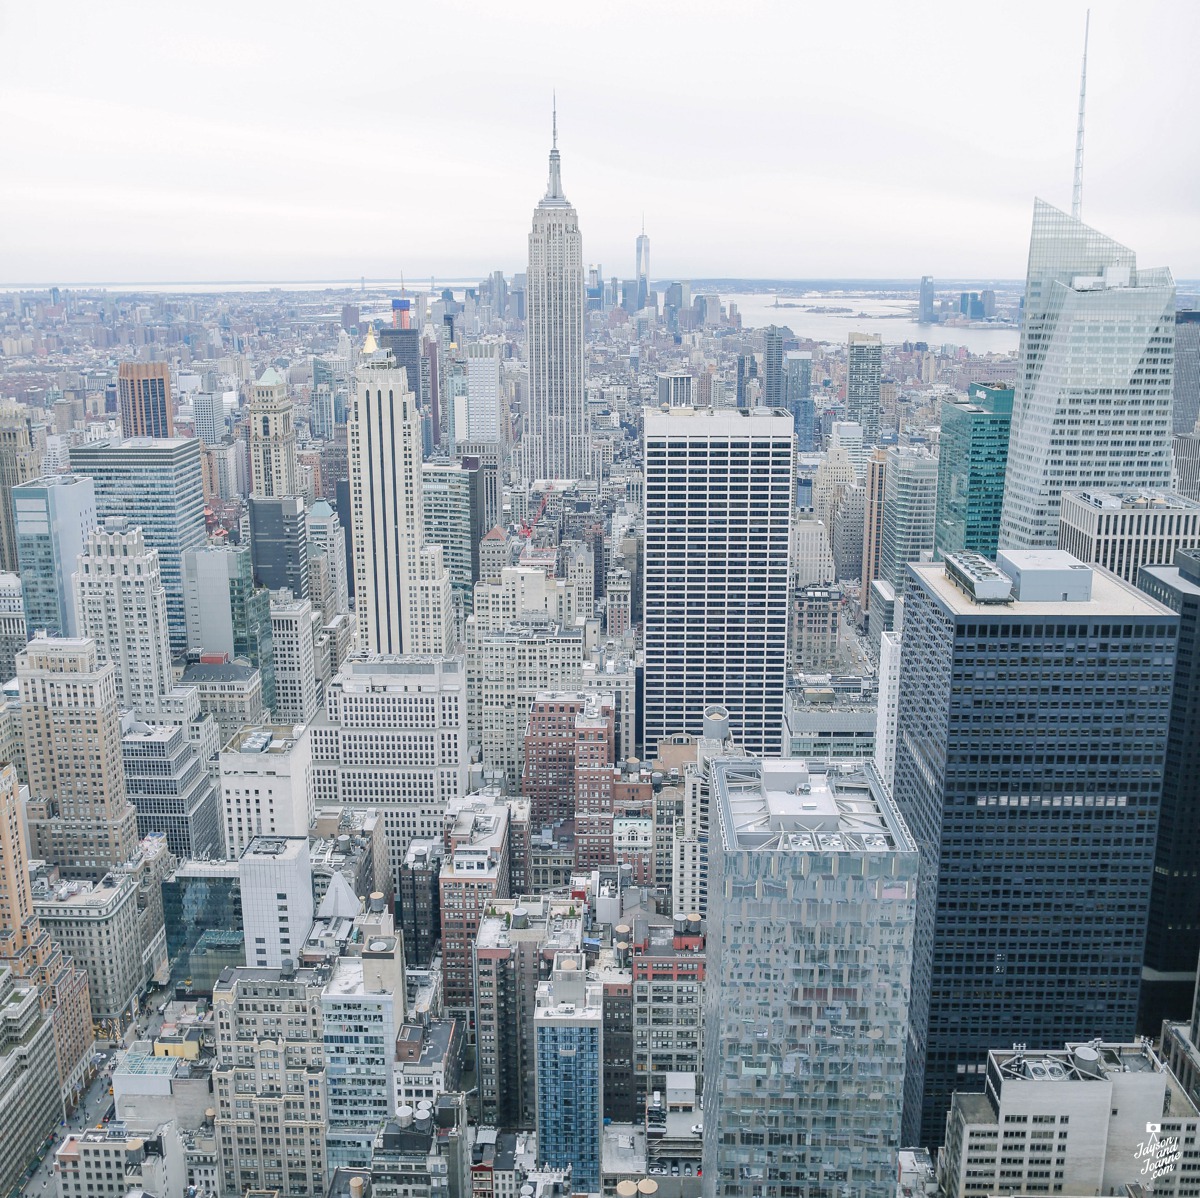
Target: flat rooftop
{"points": [[1111, 596], [717, 422], [1147, 501], [787, 804], [276, 848], [265, 738]]}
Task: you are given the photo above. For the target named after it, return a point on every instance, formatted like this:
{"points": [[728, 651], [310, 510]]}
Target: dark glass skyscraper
{"points": [[1173, 938], [928, 297], [797, 390], [1031, 734]]}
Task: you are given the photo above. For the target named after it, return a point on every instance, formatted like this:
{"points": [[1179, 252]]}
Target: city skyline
{"points": [[944, 187]]}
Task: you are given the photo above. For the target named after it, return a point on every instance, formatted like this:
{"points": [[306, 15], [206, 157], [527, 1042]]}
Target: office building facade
{"points": [[1173, 934], [269, 1081], [1123, 532], [1093, 399], [1185, 407], [401, 585], [568, 1025], [157, 484], [272, 438], [79, 815], [1031, 732], [864, 379], [718, 493], [171, 789], [20, 461], [393, 737], [909, 508], [811, 920], [972, 456], [121, 604], [144, 396], [53, 518]]}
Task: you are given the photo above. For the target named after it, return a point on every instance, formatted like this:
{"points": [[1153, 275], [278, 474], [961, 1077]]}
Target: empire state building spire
{"points": [[554, 441], [554, 189]]}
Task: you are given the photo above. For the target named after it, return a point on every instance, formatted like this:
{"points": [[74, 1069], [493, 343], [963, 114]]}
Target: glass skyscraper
{"points": [[811, 914], [1173, 938], [568, 1028], [797, 386], [53, 517], [1094, 396], [972, 455], [1187, 371], [155, 483], [1031, 730], [909, 506]]}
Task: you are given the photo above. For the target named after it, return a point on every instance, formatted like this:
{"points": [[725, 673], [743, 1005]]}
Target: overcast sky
{"points": [[218, 141]]}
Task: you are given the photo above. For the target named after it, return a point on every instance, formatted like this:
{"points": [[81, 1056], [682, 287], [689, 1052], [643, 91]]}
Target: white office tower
{"points": [[848, 435], [812, 906], [208, 415], [362, 1009], [393, 737], [266, 784], [275, 875], [297, 696], [909, 511], [120, 602], [864, 382], [834, 474], [555, 441], [690, 835], [484, 392], [402, 590], [1100, 1118], [812, 554], [889, 700], [328, 583], [718, 487], [1094, 387], [272, 438]]}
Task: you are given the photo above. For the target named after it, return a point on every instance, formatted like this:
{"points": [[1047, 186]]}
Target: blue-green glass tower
{"points": [[972, 456]]}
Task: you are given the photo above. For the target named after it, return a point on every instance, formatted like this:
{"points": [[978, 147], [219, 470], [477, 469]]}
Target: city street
{"points": [[89, 1113]]}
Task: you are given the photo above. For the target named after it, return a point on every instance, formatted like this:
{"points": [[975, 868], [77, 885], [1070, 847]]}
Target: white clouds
{"points": [[789, 139]]}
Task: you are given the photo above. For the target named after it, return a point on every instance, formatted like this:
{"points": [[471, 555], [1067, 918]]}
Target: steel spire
{"points": [[1077, 191]]}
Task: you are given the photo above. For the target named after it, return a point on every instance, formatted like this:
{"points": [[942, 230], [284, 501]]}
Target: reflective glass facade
{"points": [[972, 456], [812, 901], [1094, 395], [1030, 743]]}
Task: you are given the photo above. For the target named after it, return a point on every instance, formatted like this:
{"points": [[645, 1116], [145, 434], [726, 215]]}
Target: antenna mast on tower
{"points": [[1077, 191]]}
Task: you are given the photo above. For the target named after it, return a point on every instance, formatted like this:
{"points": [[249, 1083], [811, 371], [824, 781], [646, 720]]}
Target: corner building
{"points": [[1032, 718]]}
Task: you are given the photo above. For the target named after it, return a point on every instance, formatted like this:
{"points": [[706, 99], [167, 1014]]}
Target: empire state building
{"points": [[555, 439]]}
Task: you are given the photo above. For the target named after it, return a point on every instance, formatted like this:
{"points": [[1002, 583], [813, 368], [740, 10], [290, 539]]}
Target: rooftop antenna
{"points": [[554, 119], [1077, 192]]}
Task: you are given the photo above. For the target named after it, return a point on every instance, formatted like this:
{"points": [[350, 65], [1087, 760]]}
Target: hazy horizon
{"points": [[270, 142]]}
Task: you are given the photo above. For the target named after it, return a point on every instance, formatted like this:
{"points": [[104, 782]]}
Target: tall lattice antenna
{"points": [[1077, 192], [554, 115]]}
